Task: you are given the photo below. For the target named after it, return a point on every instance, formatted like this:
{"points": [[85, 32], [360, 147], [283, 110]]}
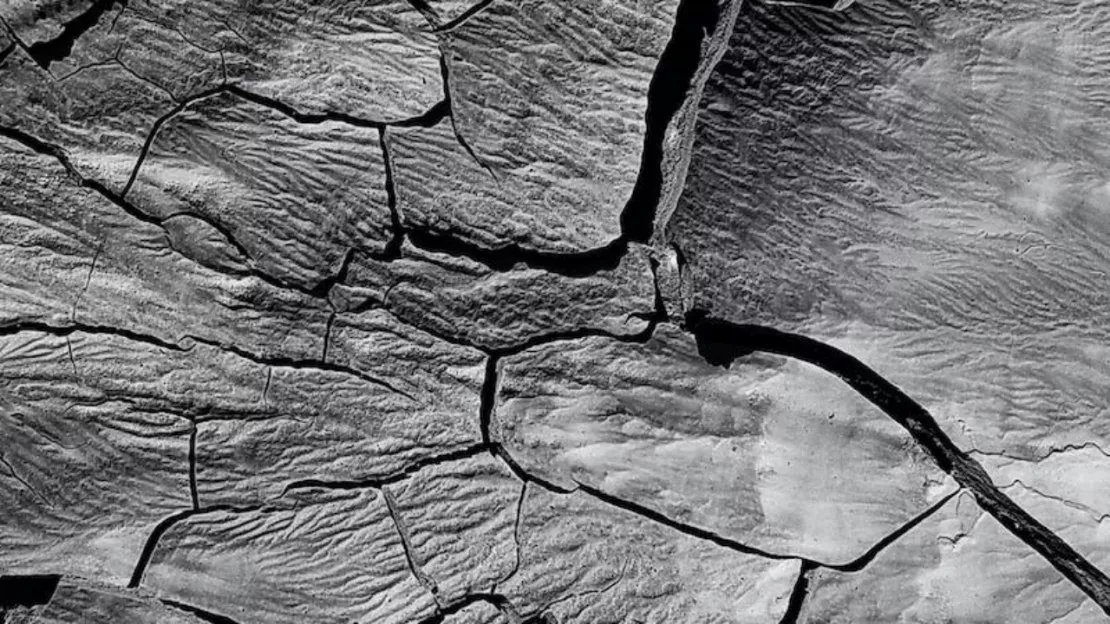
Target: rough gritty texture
{"points": [[409, 312]]}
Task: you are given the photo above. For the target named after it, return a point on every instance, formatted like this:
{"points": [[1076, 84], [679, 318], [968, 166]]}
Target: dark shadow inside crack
{"points": [[27, 590], [59, 48], [721, 342], [669, 90]]}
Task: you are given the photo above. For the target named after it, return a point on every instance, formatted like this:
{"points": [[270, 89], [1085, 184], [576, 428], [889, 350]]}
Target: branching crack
{"points": [[866, 558], [721, 342]]}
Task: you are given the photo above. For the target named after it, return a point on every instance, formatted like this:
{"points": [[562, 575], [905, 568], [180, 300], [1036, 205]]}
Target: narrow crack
{"points": [[721, 342], [22, 481], [427, 119], [88, 280], [445, 74], [1055, 450], [193, 466], [59, 48], [301, 364], [266, 387], [542, 614], [157, 126], [85, 328], [415, 564], [207, 616], [270, 361], [380, 482], [59, 154], [516, 538], [327, 337], [1095, 514], [118, 58], [72, 359]]}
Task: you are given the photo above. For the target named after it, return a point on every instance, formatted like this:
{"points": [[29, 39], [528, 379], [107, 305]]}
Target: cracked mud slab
{"points": [[539, 312], [812, 469]]}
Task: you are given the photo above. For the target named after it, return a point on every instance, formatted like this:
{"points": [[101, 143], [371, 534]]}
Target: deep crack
{"points": [[721, 342], [166, 524], [465, 16], [798, 595], [59, 48], [203, 614]]}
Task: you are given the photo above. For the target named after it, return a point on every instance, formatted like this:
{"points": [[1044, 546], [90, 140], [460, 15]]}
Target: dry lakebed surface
{"points": [[554, 311]]}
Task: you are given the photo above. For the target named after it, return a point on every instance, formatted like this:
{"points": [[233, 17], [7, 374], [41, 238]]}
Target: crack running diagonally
{"points": [[166, 524], [203, 614], [464, 17], [416, 565], [721, 342]]}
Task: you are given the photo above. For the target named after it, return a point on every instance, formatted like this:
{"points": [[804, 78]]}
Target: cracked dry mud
{"points": [[500, 311]]}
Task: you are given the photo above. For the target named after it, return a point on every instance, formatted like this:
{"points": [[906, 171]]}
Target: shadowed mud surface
{"points": [[552, 312]]}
